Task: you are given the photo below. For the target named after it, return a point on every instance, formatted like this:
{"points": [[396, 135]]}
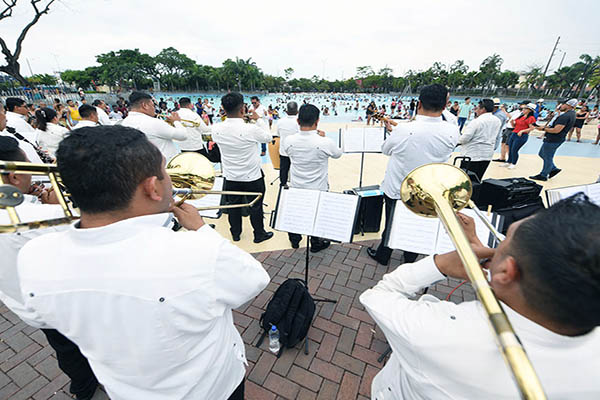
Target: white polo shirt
{"points": [[285, 127], [159, 132], [19, 122], [478, 138]]}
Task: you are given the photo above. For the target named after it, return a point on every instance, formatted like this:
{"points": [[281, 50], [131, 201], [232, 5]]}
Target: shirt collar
{"points": [[12, 113], [425, 118], [309, 132], [119, 230]]}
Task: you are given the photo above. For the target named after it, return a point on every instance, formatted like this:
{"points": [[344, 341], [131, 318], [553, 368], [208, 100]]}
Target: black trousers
{"points": [[284, 169], [314, 241], [72, 363], [238, 393], [477, 167], [383, 252], [256, 211]]}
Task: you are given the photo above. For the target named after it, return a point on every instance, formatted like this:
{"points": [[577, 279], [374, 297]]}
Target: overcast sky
{"points": [[313, 37]]}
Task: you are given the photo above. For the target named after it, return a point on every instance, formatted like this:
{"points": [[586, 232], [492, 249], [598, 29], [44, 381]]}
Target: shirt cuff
{"points": [[422, 273]]}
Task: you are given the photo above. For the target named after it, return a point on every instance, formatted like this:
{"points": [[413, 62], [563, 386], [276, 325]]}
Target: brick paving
{"points": [[344, 342]]}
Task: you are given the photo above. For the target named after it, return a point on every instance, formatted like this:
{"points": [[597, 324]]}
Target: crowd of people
{"points": [[124, 304]]}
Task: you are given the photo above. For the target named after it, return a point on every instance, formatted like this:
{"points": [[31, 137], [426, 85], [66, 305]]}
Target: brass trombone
{"points": [[439, 190]]}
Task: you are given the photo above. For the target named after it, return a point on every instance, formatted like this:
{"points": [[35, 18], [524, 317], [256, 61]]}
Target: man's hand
{"points": [[468, 225], [48, 196], [254, 116], [188, 216], [321, 133], [451, 265], [36, 189], [173, 117]]}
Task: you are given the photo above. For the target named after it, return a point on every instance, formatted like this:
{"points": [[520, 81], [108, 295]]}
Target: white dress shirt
{"points": [[194, 140], [285, 127], [115, 116], [238, 143], [478, 138], [154, 323], [262, 113], [27, 148], [450, 117], [19, 122], [309, 154], [410, 145], [51, 137], [443, 350], [86, 123], [159, 132], [103, 118]]}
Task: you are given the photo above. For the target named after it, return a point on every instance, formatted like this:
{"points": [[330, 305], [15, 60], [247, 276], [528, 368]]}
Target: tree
{"points": [[43, 79], [288, 72], [490, 69], [533, 77], [126, 68], [506, 79], [12, 67], [364, 71]]}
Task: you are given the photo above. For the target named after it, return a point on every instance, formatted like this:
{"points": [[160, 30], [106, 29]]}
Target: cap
{"points": [[496, 101], [572, 102], [524, 102], [531, 106], [540, 100]]}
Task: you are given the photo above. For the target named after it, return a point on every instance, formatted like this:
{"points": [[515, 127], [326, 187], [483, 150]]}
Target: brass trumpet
{"points": [[439, 190]]}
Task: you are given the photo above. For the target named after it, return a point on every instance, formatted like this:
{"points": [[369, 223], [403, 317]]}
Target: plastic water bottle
{"points": [[274, 340]]}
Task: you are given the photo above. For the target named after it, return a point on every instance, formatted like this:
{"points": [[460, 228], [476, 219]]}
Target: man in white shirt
{"points": [[194, 142], [548, 282], [209, 110], [263, 114], [507, 131], [238, 142], [309, 151], [103, 118], [285, 127], [70, 359], [16, 117], [28, 148], [153, 322], [478, 138], [425, 140], [89, 116], [160, 133]]}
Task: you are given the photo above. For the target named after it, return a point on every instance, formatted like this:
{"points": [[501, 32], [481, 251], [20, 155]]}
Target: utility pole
{"points": [[562, 59], [550, 59]]}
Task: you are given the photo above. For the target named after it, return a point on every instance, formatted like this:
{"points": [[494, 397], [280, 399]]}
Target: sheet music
{"points": [[569, 191], [373, 140], [335, 216], [210, 200], [412, 232], [444, 243], [593, 191], [353, 140], [297, 210]]}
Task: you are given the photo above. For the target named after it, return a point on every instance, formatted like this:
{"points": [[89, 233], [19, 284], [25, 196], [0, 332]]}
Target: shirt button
{"points": [[31, 295], [162, 299]]}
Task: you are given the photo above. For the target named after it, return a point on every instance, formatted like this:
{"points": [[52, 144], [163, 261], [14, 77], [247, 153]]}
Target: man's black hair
{"points": [[232, 102], [86, 111], [433, 97], [467, 98], [185, 101], [13, 102], [136, 98], [487, 104], [308, 115], [97, 102], [10, 150], [558, 254], [254, 98], [102, 166], [292, 108]]}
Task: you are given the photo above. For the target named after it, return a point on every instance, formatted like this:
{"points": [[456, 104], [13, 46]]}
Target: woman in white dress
{"points": [[50, 133]]}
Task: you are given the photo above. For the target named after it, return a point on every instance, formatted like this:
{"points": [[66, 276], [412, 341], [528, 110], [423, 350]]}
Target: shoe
{"points": [[262, 153], [511, 166], [324, 244], [373, 254], [554, 172], [499, 160], [505, 165], [538, 177], [295, 245], [263, 237], [236, 238]]}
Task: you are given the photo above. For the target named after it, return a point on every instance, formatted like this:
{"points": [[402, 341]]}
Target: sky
{"points": [[327, 38]]}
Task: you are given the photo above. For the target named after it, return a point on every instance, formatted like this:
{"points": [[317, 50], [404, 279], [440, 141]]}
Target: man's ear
{"points": [[506, 272], [150, 188], [12, 179]]}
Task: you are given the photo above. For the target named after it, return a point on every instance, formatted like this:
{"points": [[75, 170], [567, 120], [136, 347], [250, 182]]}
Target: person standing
{"points": [[580, 116], [500, 113], [479, 138], [153, 322], [464, 113], [425, 140], [73, 114], [309, 152], [103, 118], [237, 141], [507, 132], [521, 128], [263, 115], [16, 117], [194, 142], [539, 106], [209, 109], [286, 127], [554, 136], [411, 108]]}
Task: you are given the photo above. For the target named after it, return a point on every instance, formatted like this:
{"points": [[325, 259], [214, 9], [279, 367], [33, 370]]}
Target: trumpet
{"points": [[188, 123], [438, 190]]}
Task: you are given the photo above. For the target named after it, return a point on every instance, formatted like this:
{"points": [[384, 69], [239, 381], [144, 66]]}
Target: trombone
{"points": [[192, 177], [439, 190]]}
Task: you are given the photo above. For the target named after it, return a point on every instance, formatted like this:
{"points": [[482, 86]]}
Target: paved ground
{"points": [[344, 342]]}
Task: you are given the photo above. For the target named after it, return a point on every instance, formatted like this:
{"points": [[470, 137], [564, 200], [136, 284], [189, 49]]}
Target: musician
{"points": [[194, 141], [548, 280], [285, 127], [426, 139], [103, 118], [29, 148], [237, 142], [160, 133], [309, 152], [16, 117], [263, 114], [89, 116], [153, 317], [38, 205]]}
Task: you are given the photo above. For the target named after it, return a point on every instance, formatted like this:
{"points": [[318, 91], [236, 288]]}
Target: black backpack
{"points": [[291, 309]]}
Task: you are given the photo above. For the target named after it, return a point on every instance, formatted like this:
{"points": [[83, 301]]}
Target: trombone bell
{"points": [[191, 171]]}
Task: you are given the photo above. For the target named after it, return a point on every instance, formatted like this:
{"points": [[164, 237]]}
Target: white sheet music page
{"points": [[335, 216], [297, 210], [210, 200], [374, 138], [411, 232], [444, 243], [593, 191], [353, 140], [563, 193]]}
